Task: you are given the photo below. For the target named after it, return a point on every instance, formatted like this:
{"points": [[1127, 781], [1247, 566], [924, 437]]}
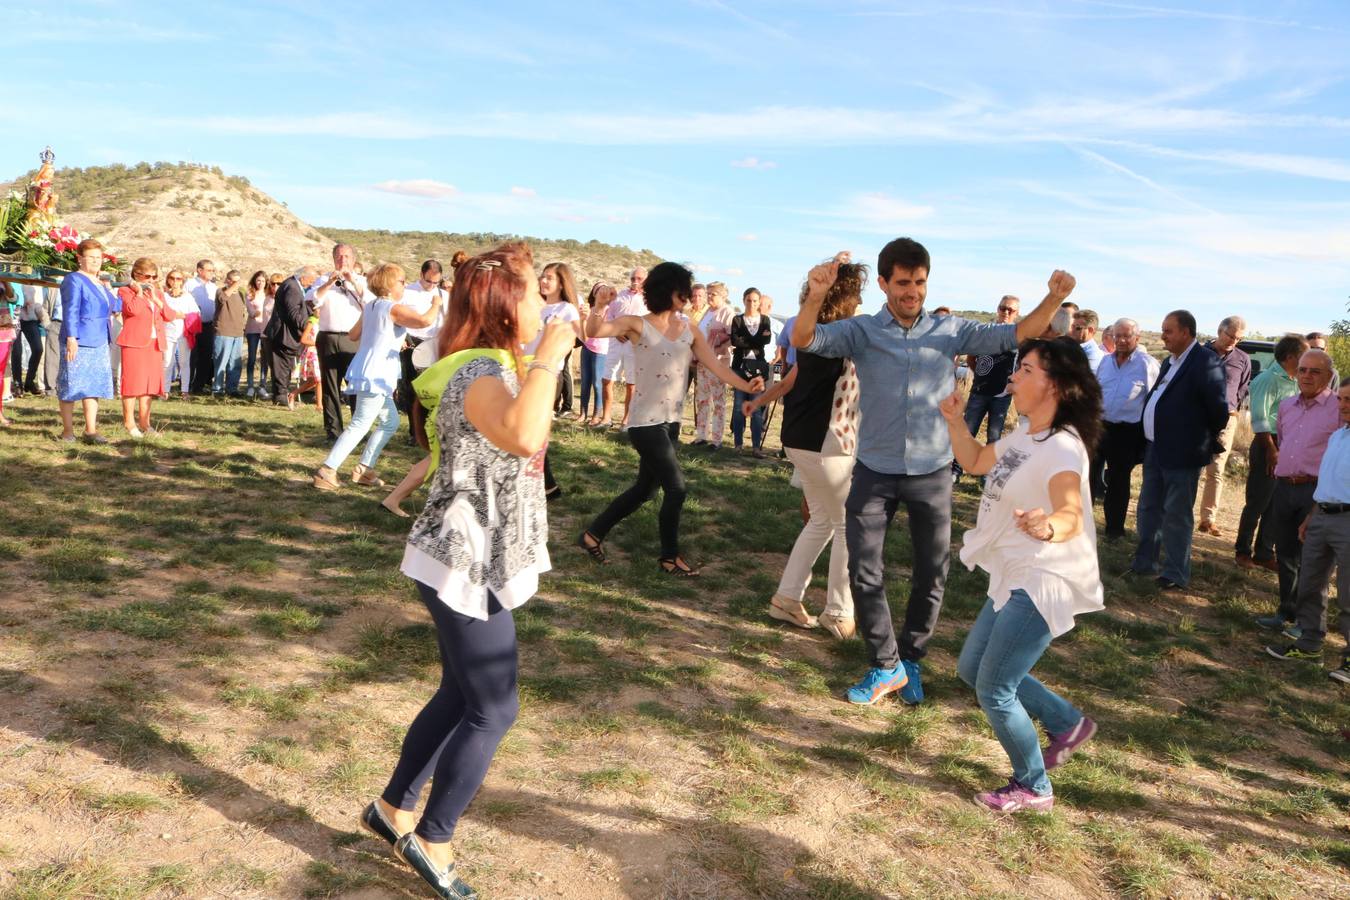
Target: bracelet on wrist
{"points": [[543, 367]]}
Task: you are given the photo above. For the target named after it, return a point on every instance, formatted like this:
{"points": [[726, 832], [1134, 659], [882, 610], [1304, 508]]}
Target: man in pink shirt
{"points": [[1304, 424], [629, 302]]}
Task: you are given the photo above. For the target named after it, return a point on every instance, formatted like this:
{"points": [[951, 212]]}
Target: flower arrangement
{"points": [[31, 234]]}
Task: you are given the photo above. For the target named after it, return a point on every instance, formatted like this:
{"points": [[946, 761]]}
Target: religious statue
{"points": [[42, 196]]}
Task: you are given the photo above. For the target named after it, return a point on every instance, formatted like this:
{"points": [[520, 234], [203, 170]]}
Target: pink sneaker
{"points": [[1012, 797], [1062, 746]]}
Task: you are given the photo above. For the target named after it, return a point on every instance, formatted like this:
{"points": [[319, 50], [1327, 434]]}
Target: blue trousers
{"points": [[376, 411], [997, 409], [592, 371], [1165, 520], [228, 365], [452, 740], [996, 661], [738, 421]]}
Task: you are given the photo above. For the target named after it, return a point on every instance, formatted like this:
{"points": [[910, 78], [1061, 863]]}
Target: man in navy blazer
{"points": [[1184, 415], [283, 330]]}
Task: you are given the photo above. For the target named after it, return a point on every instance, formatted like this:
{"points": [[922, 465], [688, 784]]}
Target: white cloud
{"points": [[747, 237], [419, 187], [734, 273], [524, 192], [753, 162], [702, 268]]}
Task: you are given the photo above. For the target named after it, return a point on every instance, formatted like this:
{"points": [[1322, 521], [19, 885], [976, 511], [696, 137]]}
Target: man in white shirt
{"points": [[629, 302], [1084, 331], [337, 297], [1126, 377], [1183, 417], [202, 287], [419, 295]]}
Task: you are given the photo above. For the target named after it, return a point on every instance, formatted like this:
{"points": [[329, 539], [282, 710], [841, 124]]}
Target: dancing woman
{"points": [[1035, 537], [476, 551], [662, 343], [820, 434]]}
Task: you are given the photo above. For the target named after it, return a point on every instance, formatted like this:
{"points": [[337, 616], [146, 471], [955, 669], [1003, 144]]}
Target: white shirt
{"points": [[339, 308], [204, 292], [184, 303], [419, 299], [1061, 578], [562, 311], [1162, 386]]}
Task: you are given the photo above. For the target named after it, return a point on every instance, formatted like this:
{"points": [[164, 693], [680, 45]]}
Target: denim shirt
{"points": [[903, 373]]}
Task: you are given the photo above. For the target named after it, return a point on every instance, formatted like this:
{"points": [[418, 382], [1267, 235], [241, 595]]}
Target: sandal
{"points": [[677, 566], [789, 610], [595, 550]]}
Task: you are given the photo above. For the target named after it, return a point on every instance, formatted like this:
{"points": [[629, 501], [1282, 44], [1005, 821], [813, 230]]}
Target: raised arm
{"points": [[407, 317], [708, 358], [818, 283], [629, 327], [520, 425], [974, 457], [1033, 325]]}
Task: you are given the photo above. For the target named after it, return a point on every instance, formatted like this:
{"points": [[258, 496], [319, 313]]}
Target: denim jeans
{"points": [[996, 661], [255, 359], [227, 364], [592, 368], [34, 335], [1165, 520], [997, 409], [372, 411], [738, 421]]}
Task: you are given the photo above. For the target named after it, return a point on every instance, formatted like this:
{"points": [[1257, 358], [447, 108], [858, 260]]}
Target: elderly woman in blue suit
{"points": [[86, 370]]}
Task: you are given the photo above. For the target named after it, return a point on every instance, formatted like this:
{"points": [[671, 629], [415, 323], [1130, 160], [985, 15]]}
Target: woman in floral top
{"points": [[476, 551]]}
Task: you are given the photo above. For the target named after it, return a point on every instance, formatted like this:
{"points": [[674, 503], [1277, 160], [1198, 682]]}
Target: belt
{"points": [[1332, 509], [1297, 479]]}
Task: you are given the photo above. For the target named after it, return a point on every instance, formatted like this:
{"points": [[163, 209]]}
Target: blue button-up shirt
{"points": [[1333, 477], [903, 373], [1124, 387]]}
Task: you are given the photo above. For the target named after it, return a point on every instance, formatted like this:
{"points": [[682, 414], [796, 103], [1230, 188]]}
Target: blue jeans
{"points": [[592, 370], [372, 411], [227, 364], [255, 359], [996, 661], [738, 421], [1165, 520], [996, 407]]}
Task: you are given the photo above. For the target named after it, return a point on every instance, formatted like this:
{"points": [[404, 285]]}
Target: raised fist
{"points": [[1061, 284]]}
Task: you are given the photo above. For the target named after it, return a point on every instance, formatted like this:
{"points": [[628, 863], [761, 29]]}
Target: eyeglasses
{"points": [[1007, 309]]}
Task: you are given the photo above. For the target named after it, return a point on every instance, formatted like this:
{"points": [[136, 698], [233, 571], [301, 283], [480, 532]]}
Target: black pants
{"points": [[562, 401], [335, 351], [1260, 498], [873, 499], [658, 467], [1291, 506], [204, 359], [283, 361], [404, 395], [452, 740], [32, 335], [1121, 449]]}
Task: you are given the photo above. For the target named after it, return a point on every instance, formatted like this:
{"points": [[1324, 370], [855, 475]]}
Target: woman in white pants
{"points": [[177, 350], [820, 432]]}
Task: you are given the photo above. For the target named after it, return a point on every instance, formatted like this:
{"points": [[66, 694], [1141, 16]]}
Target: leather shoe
{"points": [[1167, 584], [1244, 561], [444, 882], [1269, 564], [377, 823]]}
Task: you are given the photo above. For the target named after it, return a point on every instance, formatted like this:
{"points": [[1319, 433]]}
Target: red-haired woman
{"points": [[143, 340], [476, 551]]}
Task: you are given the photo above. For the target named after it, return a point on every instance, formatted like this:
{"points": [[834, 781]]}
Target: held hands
{"points": [[756, 384], [1061, 284], [747, 408], [953, 408], [1035, 523], [822, 277], [556, 340]]}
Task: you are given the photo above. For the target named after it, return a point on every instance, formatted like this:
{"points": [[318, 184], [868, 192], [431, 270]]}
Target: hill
{"points": [[178, 213]]}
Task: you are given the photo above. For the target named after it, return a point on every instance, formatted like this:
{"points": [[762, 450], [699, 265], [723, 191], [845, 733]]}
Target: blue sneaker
{"points": [[1274, 622], [1292, 631], [877, 683], [912, 692]]}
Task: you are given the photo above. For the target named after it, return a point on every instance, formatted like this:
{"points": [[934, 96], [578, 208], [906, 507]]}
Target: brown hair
{"points": [[483, 302], [842, 299], [381, 282], [86, 245], [144, 266], [567, 282], [458, 259]]}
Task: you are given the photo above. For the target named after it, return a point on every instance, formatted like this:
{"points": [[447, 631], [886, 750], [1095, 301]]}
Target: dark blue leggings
{"points": [[453, 738]]}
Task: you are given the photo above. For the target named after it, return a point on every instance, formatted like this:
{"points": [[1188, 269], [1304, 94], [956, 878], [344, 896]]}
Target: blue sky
{"points": [[1175, 153]]}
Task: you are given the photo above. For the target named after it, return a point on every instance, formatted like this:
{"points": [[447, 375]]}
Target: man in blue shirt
{"points": [[1126, 376], [904, 361]]}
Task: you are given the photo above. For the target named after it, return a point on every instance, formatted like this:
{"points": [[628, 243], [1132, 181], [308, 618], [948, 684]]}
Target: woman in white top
{"points": [[558, 287], [1035, 537], [177, 349], [663, 342], [373, 375], [710, 394]]}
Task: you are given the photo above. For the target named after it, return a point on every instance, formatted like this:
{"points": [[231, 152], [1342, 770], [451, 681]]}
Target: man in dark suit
{"points": [[283, 330], [1183, 417]]}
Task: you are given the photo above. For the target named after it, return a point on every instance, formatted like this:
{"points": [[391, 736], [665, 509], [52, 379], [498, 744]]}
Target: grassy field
{"points": [[207, 667]]}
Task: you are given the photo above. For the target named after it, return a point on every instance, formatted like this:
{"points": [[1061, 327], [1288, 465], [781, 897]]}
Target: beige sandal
{"points": [[363, 475], [326, 479], [841, 627], [789, 610]]}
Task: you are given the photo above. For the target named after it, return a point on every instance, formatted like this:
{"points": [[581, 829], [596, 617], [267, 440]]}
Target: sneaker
{"points": [[1274, 622], [912, 691], [1342, 674], [877, 683], [1294, 652], [135, 433], [1062, 746], [1292, 631], [1012, 797]]}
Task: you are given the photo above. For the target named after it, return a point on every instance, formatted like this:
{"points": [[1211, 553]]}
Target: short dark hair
{"points": [[905, 253], [1184, 319], [1314, 335], [203, 262], [431, 265], [747, 292], [664, 283], [1290, 346], [1077, 387], [1088, 316]]}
